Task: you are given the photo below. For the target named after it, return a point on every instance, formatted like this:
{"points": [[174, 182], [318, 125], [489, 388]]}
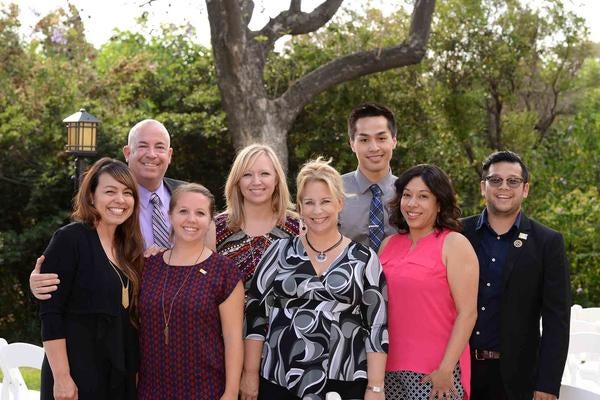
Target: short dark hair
{"points": [[371, 110], [504, 156], [440, 185]]}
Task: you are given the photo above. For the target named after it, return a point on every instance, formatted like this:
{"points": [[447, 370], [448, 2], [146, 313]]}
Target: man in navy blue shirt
{"points": [[523, 277]]}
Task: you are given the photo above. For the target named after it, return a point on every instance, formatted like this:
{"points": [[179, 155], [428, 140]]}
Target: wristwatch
{"points": [[375, 389]]}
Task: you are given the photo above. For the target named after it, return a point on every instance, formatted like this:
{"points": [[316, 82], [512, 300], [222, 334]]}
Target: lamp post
{"points": [[81, 139]]}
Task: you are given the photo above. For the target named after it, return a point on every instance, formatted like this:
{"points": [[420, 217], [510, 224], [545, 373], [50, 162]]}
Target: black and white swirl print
{"points": [[316, 327]]}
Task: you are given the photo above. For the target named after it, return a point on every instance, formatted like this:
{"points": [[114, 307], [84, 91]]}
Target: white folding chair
{"points": [[583, 361], [568, 392], [579, 326], [3, 343], [575, 308], [12, 357], [591, 314]]}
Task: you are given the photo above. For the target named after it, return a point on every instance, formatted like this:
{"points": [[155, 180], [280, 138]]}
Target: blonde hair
{"points": [[280, 200], [319, 170], [192, 188]]}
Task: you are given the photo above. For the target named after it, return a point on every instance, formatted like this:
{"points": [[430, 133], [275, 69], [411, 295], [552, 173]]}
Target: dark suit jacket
{"points": [[172, 184], [536, 284]]}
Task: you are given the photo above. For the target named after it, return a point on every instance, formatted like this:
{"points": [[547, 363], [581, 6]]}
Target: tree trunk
{"points": [[261, 121], [240, 56]]}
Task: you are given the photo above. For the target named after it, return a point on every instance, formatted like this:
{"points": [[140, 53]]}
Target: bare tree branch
{"points": [[235, 27], [240, 56], [420, 25], [247, 11], [295, 6], [366, 62], [147, 3], [228, 30], [470, 153], [14, 181], [295, 22], [547, 117]]}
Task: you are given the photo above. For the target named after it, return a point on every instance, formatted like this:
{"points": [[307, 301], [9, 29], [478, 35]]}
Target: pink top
{"points": [[421, 311]]}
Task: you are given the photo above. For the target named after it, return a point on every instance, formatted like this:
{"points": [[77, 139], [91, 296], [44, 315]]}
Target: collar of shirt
{"points": [[363, 183], [483, 221], [161, 192]]}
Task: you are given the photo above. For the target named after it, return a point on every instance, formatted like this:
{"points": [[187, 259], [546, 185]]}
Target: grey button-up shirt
{"points": [[354, 218]]}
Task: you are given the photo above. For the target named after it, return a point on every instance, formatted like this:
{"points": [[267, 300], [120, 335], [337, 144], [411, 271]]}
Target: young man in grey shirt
{"points": [[372, 136]]}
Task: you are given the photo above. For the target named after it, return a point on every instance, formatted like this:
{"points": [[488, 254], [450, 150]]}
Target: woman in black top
{"points": [[89, 338]]}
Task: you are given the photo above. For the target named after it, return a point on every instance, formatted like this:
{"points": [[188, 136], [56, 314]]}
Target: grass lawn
{"points": [[31, 377]]}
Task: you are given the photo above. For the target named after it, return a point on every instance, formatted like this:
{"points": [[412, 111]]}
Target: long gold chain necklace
{"points": [[167, 317], [124, 288]]}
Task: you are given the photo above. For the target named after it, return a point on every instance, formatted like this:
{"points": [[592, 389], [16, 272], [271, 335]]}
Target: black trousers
{"points": [[486, 382], [347, 390]]}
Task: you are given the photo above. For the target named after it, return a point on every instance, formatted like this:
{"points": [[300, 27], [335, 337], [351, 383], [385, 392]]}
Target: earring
{"points": [[302, 225]]}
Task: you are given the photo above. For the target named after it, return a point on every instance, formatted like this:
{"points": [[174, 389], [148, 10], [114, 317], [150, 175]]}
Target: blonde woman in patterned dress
{"points": [[316, 307], [259, 210]]}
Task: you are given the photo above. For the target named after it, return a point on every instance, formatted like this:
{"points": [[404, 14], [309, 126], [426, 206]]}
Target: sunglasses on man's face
{"points": [[512, 182]]}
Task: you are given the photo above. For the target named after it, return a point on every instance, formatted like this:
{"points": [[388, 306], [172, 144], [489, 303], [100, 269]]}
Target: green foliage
{"points": [[497, 75], [35, 189], [166, 77], [173, 80], [566, 190], [577, 215], [487, 59]]}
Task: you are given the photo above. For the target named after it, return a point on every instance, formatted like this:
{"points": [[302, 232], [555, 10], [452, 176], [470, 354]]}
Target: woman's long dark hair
{"points": [[440, 185], [128, 242]]}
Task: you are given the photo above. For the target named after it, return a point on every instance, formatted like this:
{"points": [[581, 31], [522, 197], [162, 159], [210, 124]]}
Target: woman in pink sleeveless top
{"points": [[432, 274]]}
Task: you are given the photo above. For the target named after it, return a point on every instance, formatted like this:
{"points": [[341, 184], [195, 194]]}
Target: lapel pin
{"points": [[523, 236], [517, 243], [202, 271]]}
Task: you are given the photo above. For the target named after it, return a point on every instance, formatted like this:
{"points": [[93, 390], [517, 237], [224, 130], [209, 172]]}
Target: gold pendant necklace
{"points": [[167, 317], [124, 288]]}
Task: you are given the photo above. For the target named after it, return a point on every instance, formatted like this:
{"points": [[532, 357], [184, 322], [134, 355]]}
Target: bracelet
{"points": [[375, 389]]}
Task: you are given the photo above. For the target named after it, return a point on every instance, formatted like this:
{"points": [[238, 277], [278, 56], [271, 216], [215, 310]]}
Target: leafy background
{"points": [[497, 75]]}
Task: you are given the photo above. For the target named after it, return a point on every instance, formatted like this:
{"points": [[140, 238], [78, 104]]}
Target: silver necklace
{"points": [[322, 255], [167, 317]]}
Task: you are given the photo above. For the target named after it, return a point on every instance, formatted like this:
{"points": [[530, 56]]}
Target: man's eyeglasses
{"points": [[512, 182]]}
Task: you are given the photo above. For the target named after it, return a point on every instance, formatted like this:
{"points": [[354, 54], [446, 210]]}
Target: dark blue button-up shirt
{"points": [[492, 252]]}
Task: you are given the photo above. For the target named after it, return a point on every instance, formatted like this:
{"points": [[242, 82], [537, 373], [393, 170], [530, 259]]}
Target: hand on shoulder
{"points": [[41, 285]]}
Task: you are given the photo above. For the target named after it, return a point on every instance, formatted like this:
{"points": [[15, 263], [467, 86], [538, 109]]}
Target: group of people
{"points": [[370, 287]]}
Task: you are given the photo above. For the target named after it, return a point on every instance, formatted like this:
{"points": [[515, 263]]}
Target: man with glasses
{"points": [[523, 277]]}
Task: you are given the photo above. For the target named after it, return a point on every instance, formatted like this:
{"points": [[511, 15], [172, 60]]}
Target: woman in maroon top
{"points": [[191, 310]]}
